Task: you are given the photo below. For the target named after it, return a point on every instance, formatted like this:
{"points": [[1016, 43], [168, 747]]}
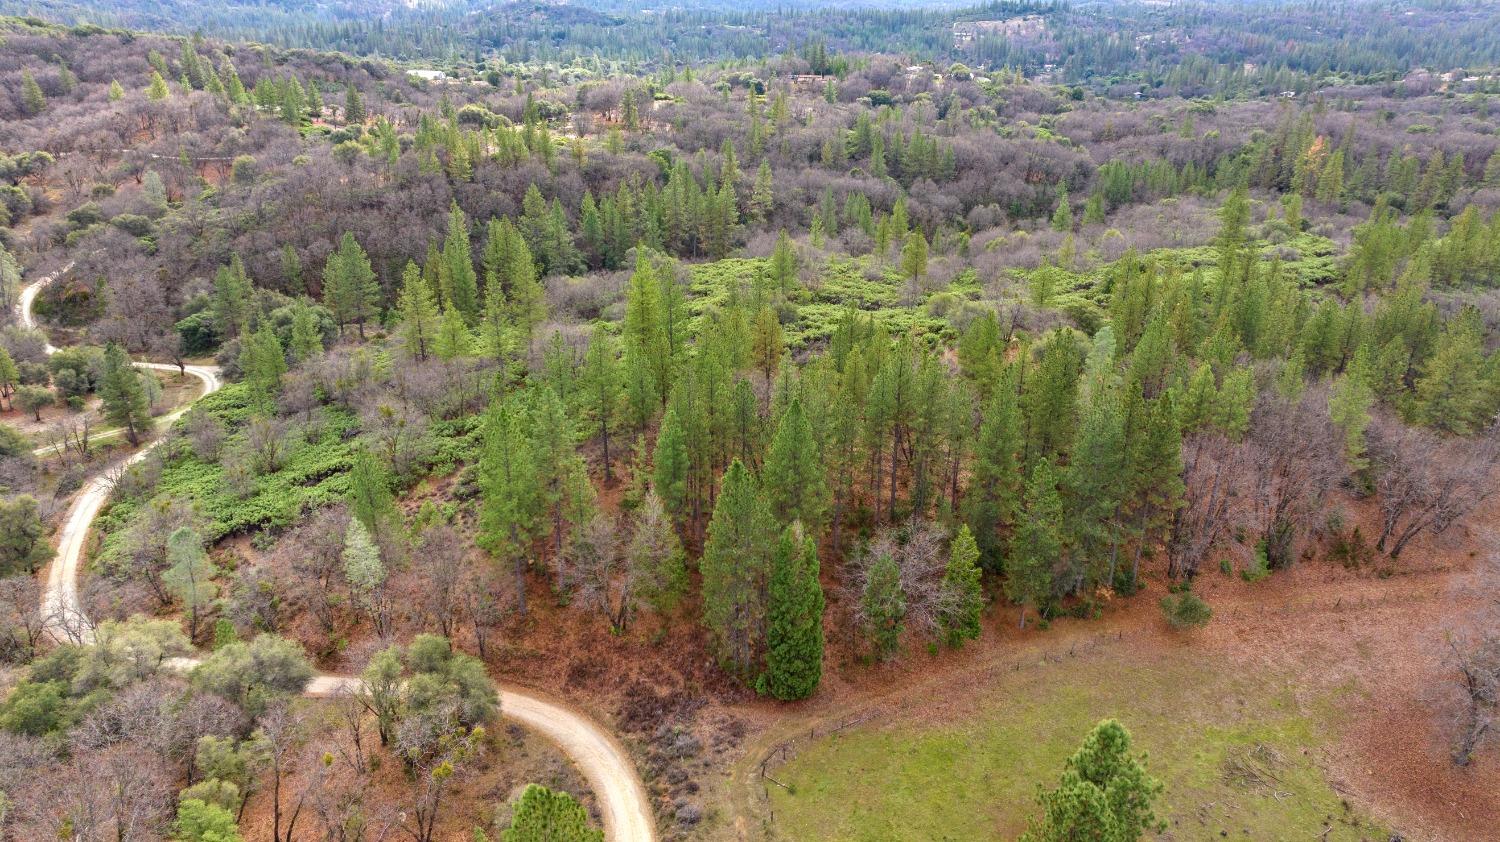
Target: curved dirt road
{"points": [[602, 760]]}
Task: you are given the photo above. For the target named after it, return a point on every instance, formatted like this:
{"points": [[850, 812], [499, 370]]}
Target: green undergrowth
{"points": [[1312, 259], [812, 313], [313, 473], [1235, 751]]}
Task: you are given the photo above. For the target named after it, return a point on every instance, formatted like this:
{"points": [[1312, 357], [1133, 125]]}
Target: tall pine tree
{"points": [[794, 479], [125, 403], [794, 627], [1038, 546], [735, 566]]}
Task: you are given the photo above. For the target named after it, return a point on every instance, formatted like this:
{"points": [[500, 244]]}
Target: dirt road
{"points": [[602, 760]]}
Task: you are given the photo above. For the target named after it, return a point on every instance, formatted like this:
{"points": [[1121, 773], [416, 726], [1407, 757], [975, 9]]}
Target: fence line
{"points": [[788, 749]]}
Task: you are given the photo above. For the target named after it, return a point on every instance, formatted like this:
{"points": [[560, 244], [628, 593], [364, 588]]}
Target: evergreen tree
{"points": [[156, 90], [1453, 393], [293, 103], [1038, 546], [350, 289], [914, 256], [417, 312], [735, 566], [498, 337], [601, 383], [1096, 479], [234, 88], [645, 326], [1154, 454], [263, 362], [963, 598], [125, 403], [10, 377], [232, 298], [542, 815], [670, 463], [766, 342], [883, 604], [784, 265], [1062, 215], [795, 483], [370, 499], [33, 101], [354, 106], [116, 93], [558, 465], [1234, 219], [1093, 210], [794, 627], [306, 340], [1349, 405], [189, 576], [525, 302], [452, 339], [1051, 397], [314, 102], [510, 498], [994, 493], [459, 284], [1105, 793], [762, 198]]}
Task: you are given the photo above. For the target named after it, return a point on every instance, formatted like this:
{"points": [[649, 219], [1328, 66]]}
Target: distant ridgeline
{"points": [[1247, 47]]}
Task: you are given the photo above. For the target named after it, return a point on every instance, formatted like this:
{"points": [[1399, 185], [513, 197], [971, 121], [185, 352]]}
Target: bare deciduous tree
{"points": [[1211, 467], [282, 732], [1292, 461], [315, 554], [920, 548], [593, 567], [441, 563], [22, 623], [1426, 482]]}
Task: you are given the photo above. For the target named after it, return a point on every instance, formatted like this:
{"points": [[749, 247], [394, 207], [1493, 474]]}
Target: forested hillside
{"points": [[684, 391], [1265, 46]]}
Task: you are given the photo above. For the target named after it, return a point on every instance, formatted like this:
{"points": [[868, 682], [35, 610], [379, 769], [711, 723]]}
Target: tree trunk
{"points": [[895, 454], [520, 577], [604, 435]]}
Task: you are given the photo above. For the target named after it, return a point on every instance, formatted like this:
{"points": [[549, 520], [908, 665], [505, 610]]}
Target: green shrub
{"points": [[1351, 549], [1259, 567], [1186, 611]]}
